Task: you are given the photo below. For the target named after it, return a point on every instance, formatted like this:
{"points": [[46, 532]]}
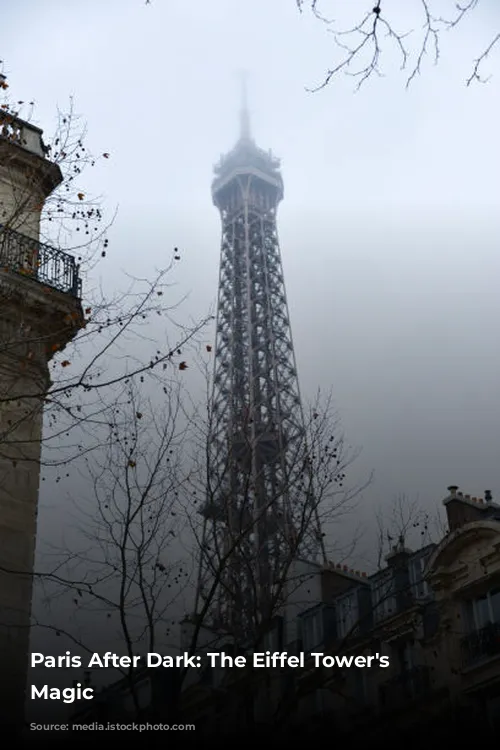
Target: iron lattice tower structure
{"points": [[259, 495]]}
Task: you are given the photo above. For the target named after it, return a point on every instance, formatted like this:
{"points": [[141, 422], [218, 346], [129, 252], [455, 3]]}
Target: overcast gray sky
{"points": [[389, 228]]}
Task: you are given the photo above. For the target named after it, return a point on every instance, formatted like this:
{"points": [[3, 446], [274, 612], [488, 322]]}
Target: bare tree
{"points": [[144, 535], [123, 570], [412, 31], [109, 344], [363, 609], [403, 524], [234, 610], [360, 609], [67, 347]]}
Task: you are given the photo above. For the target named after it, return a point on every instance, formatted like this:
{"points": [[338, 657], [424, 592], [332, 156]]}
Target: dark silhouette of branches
{"points": [[114, 342], [322, 496], [383, 27], [73, 357]]}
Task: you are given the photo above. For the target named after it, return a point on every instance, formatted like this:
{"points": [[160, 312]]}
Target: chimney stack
{"points": [[462, 509], [487, 496]]}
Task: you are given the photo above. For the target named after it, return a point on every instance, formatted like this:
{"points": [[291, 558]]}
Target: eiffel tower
{"points": [[260, 490]]}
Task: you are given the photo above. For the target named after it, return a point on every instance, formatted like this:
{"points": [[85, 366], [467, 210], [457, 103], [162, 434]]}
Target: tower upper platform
{"points": [[246, 159]]}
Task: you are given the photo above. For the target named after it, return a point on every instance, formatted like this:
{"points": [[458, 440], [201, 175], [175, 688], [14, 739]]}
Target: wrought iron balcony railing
{"points": [[40, 262], [481, 644], [404, 687]]}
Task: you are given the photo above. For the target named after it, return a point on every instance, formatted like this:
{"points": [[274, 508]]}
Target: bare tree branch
{"points": [[364, 43]]}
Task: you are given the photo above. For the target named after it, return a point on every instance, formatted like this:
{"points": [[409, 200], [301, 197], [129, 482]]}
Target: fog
{"points": [[389, 226]]}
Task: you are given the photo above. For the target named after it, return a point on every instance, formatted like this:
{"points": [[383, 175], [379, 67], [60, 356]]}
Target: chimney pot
{"points": [[452, 489], [487, 496]]}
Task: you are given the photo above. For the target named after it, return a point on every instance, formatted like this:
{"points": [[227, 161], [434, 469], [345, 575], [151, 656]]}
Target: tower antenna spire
{"points": [[245, 133]]}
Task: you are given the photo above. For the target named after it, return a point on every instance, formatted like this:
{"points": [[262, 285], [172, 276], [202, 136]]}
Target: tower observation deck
{"points": [[259, 494]]}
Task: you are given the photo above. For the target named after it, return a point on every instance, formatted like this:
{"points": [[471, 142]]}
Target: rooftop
{"points": [[21, 133]]}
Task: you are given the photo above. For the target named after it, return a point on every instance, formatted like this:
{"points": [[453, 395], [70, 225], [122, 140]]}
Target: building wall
{"points": [[464, 569], [20, 202], [35, 320], [24, 186]]}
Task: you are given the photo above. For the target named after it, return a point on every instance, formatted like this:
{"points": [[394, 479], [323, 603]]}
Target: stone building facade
{"points": [[40, 312]]}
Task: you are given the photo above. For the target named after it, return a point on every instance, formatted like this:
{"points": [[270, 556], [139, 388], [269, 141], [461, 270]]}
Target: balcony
{"points": [[39, 262], [481, 644], [404, 687]]}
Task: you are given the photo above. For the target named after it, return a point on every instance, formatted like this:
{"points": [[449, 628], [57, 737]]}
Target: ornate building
{"points": [[40, 313]]}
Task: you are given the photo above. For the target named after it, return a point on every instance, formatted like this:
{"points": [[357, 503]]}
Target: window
{"points": [[483, 610], [419, 588], [312, 630], [384, 596], [347, 614]]}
